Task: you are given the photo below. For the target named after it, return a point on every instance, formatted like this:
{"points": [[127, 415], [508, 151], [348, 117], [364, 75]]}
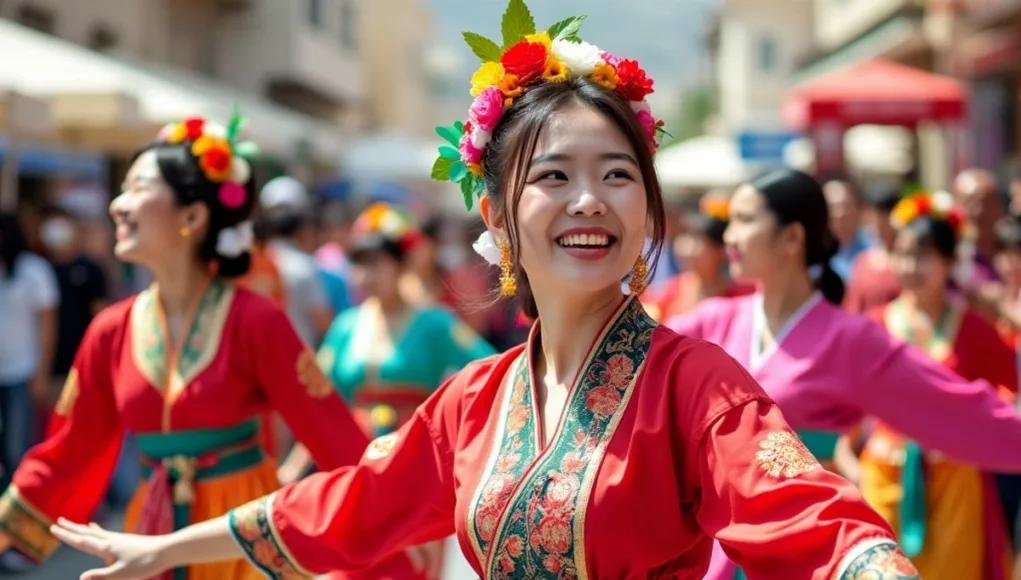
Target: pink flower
{"points": [[487, 109], [232, 195], [648, 123], [610, 59], [469, 152]]}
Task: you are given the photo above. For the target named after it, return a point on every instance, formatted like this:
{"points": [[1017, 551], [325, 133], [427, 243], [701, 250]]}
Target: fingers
{"points": [[84, 543], [109, 573], [91, 530], [418, 561]]}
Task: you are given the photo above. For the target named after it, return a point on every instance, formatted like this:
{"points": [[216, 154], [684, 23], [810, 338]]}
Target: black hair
{"points": [[12, 242], [367, 245], [934, 233], [510, 152], [705, 225], [180, 168], [285, 221], [431, 228], [796, 197], [882, 197]]}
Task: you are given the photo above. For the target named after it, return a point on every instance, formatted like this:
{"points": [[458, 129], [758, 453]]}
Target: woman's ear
{"points": [[493, 218]]}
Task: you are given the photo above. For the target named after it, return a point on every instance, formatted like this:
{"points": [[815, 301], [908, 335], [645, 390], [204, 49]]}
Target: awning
{"points": [[700, 162], [146, 95], [876, 92]]}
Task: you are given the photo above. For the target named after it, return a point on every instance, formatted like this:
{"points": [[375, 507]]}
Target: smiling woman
{"points": [[541, 457]]}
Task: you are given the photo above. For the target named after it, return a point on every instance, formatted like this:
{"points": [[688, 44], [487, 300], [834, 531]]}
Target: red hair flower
{"points": [[633, 85], [217, 164], [525, 60]]}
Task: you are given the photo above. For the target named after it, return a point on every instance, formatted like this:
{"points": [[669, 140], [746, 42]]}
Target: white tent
{"points": [[700, 162], [390, 156]]}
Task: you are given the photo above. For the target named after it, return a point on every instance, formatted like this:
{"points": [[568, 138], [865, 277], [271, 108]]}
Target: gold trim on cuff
{"points": [[26, 527], [252, 527]]}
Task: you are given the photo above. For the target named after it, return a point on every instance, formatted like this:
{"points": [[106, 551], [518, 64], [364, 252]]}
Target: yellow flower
{"points": [[178, 134], [207, 143], [489, 74], [606, 76], [540, 38], [510, 88], [476, 169], [904, 212], [555, 70]]}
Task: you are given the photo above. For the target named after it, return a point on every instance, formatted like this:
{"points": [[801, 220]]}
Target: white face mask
{"points": [[56, 233]]}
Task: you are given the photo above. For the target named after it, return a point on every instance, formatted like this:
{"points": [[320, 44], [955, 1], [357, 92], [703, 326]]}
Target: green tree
{"points": [[697, 106]]}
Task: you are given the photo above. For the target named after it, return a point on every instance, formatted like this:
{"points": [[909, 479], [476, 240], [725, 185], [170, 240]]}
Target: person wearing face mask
{"points": [[607, 446], [827, 368], [187, 366]]}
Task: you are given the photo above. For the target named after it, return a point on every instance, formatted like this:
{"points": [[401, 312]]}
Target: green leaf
{"points": [[467, 191], [459, 126], [448, 152], [566, 28], [441, 169], [485, 49], [450, 135], [663, 132], [458, 171], [517, 22]]}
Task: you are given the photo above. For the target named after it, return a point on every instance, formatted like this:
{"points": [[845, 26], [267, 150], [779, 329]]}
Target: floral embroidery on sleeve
{"points": [[882, 561], [381, 447], [309, 374], [253, 531], [68, 395], [782, 454]]}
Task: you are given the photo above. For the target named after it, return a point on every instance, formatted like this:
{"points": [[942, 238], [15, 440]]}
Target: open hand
{"points": [[427, 558], [127, 556]]}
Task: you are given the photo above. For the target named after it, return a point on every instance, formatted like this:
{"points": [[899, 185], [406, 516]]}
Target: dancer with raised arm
{"points": [[607, 446]]}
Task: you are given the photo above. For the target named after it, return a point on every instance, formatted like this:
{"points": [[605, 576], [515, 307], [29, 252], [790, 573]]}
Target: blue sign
{"points": [[764, 147]]}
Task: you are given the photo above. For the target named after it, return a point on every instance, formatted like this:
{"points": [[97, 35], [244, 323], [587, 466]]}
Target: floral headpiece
{"points": [[215, 148], [526, 59], [715, 206], [938, 206], [388, 221]]}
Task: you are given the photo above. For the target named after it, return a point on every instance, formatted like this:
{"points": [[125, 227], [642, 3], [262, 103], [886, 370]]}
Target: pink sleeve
{"points": [[700, 322], [920, 398]]}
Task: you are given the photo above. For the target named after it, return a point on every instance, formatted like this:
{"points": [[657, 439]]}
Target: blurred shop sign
{"points": [[26, 115], [764, 146]]}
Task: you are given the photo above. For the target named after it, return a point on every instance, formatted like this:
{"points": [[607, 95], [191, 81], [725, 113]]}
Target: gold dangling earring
{"points": [[638, 274], [185, 232], [508, 284]]}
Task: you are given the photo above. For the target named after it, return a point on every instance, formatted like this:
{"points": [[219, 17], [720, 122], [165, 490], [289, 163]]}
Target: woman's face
{"points": [[756, 248], [376, 275], [919, 266], [150, 224], [698, 254], [582, 214]]}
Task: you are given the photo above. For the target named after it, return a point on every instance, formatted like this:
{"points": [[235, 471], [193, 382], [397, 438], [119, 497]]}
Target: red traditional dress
{"points": [[193, 410], [664, 443]]}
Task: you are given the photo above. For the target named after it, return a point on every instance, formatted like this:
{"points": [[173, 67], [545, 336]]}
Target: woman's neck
{"points": [[569, 325], [930, 304], [711, 285], [393, 305], [179, 287], [783, 297]]}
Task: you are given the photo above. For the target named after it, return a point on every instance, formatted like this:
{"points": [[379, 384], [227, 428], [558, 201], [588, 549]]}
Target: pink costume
{"points": [[828, 369]]}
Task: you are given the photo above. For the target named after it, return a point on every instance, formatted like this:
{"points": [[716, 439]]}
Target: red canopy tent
{"points": [[876, 92]]}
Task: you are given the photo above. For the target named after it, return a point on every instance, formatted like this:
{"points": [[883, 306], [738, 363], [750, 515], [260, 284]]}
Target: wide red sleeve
{"points": [[989, 356], [67, 474], [288, 373], [776, 512], [400, 494]]}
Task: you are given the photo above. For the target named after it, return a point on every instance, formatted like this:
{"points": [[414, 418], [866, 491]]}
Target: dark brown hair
{"points": [[513, 144]]}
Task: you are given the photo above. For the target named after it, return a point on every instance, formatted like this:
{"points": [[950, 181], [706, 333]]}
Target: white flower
{"points": [[391, 223], [234, 241], [240, 172], [214, 129], [942, 202], [481, 138], [639, 106], [580, 58], [486, 247]]}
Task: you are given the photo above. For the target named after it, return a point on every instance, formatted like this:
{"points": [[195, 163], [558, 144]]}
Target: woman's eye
{"points": [[618, 174], [555, 175]]}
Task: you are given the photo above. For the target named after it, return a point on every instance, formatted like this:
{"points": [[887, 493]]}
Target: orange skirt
{"points": [[215, 497]]}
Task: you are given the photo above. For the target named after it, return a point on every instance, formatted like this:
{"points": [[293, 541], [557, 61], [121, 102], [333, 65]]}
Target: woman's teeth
{"points": [[588, 240]]}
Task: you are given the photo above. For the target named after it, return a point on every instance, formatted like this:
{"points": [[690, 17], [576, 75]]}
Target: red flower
{"points": [[525, 60], [633, 84], [602, 401], [923, 204], [193, 127]]}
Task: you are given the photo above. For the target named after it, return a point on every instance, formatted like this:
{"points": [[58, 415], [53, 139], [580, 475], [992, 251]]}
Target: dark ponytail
{"points": [[795, 197]]}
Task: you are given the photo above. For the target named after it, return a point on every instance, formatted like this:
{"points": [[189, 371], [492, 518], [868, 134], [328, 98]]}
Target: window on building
{"points": [[349, 24], [36, 18], [766, 56], [102, 39], [315, 13]]}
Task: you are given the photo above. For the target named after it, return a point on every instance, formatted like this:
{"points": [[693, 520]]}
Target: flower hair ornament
{"points": [[215, 148], [940, 206], [715, 206], [528, 58], [388, 221]]}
